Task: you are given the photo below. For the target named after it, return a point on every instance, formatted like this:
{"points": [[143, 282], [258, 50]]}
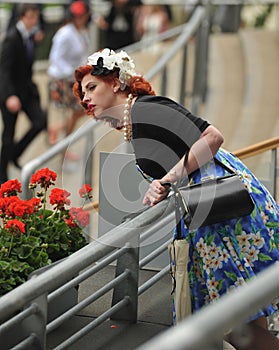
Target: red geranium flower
{"points": [[3, 206], [43, 177], [36, 203], [15, 226], [19, 207], [80, 215], [59, 197], [10, 188], [85, 191], [70, 222]]}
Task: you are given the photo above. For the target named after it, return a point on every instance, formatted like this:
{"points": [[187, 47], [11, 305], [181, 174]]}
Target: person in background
{"points": [[38, 30], [222, 256], [67, 11], [18, 92], [152, 20], [70, 48], [119, 25]]}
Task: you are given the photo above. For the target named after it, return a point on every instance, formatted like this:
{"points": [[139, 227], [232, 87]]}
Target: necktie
{"points": [[29, 49]]}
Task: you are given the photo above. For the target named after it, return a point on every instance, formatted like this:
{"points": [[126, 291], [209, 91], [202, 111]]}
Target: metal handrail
{"points": [[257, 148], [59, 147], [208, 326], [41, 284]]}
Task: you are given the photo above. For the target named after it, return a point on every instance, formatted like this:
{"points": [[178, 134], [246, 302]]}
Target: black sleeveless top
{"points": [[163, 131]]}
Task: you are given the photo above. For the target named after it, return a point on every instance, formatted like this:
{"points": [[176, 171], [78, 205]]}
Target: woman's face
{"points": [[81, 21], [101, 99]]}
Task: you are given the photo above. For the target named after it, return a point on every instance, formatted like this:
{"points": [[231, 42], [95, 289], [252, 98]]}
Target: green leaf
{"points": [[238, 228], [271, 245], [254, 213], [25, 251], [210, 239], [255, 190], [220, 285], [272, 224], [231, 275], [263, 257]]}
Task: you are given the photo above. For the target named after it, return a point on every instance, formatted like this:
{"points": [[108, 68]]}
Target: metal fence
{"points": [[205, 330], [24, 319]]}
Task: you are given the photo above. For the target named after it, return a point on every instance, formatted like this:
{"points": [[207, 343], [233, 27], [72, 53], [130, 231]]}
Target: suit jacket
{"points": [[15, 70]]}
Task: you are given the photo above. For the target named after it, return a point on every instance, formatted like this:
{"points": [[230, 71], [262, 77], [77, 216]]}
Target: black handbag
{"points": [[212, 201]]}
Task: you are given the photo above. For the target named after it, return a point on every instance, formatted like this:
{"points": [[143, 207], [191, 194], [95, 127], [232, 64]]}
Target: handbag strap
{"points": [[217, 161], [180, 208]]}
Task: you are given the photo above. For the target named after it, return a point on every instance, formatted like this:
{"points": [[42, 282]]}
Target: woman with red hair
{"points": [[222, 256]]}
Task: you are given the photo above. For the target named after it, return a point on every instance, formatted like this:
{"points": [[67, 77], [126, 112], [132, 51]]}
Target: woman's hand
{"points": [[156, 193]]}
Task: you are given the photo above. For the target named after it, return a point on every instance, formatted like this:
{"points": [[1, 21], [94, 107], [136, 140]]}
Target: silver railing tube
{"points": [[186, 34], [69, 267], [30, 167], [210, 323]]}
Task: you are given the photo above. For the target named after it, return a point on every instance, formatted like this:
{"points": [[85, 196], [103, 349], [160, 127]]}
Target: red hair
{"points": [[80, 73], [136, 85]]}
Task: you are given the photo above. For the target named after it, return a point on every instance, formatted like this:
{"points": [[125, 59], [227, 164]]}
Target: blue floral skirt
{"points": [[224, 256]]}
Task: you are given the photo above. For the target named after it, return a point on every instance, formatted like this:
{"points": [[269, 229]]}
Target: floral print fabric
{"points": [[223, 256]]}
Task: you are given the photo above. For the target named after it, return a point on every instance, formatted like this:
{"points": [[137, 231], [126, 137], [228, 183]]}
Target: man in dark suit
{"points": [[17, 90], [39, 30]]}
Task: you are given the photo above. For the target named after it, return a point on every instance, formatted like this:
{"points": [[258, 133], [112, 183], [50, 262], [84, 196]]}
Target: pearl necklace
{"points": [[127, 127]]}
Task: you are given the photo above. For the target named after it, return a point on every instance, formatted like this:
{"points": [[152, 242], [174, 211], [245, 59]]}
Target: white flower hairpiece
{"points": [[111, 60]]}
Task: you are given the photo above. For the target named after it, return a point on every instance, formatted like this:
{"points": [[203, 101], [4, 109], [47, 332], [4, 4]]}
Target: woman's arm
{"points": [[202, 151]]}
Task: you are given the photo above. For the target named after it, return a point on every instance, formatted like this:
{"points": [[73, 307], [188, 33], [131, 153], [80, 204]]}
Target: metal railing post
{"points": [[196, 98], [273, 174], [30, 332], [205, 30], [88, 176], [182, 94], [38, 321], [129, 287], [164, 81]]}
